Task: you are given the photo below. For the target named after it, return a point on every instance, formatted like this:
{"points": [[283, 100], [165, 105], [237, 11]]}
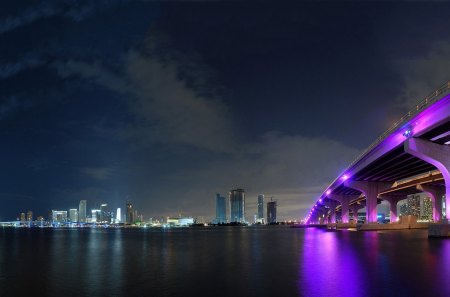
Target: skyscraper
{"points": [[73, 215], [271, 212], [118, 215], [29, 216], [95, 215], [82, 211], [260, 206], [105, 215], [22, 217], [413, 205], [237, 206], [221, 209], [130, 214], [59, 216]]}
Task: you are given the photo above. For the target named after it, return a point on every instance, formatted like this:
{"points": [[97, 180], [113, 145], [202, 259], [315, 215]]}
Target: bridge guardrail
{"points": [[421, 105]]}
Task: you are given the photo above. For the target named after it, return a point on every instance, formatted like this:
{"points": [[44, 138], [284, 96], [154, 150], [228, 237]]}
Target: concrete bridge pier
{"points": [[393, 200], [436, 193], [355, 208], [371, 190], [344, 200], [332, 205], [437, 155]]}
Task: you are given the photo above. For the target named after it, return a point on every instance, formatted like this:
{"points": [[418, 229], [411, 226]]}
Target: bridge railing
{"points": [[420, 105]]}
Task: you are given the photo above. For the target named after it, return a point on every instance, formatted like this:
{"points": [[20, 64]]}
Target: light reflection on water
{"points": [[260, 261]]}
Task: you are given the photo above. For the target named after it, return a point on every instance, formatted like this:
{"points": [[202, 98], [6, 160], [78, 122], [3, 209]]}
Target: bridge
{"points": [[412, 156]]}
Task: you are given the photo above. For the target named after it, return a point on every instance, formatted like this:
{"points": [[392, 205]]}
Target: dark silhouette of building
{"points": [[221, 209], [237, 206], [130, 214], [260, 206], [271, 212]]}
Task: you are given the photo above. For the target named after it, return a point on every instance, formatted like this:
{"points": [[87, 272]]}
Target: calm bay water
{"points": [[224, 261]]}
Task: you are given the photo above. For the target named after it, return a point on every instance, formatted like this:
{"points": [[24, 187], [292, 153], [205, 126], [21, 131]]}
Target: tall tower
{"points": [[73, 215], [271, 212], [82, 211], [29, 216], [237, 206], [119, 215], [260, 206], [130, 215], [221, 209], [105, 215]]}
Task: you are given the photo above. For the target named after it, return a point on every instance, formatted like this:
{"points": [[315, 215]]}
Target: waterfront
{"points": [[227, 261]]}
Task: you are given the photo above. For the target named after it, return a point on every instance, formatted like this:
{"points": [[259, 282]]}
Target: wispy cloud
{"points": [[422, 75], [99, 173], [165, 108], [26, 62], [74, 10]]}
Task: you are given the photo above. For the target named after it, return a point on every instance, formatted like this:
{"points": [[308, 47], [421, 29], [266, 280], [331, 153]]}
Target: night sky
{"points": [[169, 103]]}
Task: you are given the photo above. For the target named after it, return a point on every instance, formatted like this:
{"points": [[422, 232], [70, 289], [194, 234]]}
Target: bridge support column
{"points": [[437, 155], [332, 205], [355, 208], [371, 191], [436, 194], [393, 201], [333, 216], [344, 200]]}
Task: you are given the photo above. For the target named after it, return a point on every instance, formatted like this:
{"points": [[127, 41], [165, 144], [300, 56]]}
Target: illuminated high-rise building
{"points": [[426, 208], [118, 215], [23, 218], [73, 215], [260, 206], [95, 215], [59, 216], [130, 213], [29, 216], [221, 209], [413, 205], [82, 211], [105, 215], [237, 206], [271, 212]]}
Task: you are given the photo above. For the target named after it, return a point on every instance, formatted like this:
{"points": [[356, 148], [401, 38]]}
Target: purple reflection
{"points": [[330, 266]]}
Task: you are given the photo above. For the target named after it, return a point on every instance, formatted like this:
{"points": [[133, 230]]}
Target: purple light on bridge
{"points": [[329, 191], [345, 177], [320, 200]]}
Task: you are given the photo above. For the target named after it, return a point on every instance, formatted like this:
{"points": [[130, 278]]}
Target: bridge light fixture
{"points": [[407, 133], [328, 192], [320, 200], [345, 177]]}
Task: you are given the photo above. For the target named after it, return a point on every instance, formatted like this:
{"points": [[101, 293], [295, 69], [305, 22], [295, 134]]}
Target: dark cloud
{"points": [[424, 74]]}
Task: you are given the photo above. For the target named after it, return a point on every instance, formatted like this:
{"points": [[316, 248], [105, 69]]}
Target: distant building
{"points": [[271, 212], [260, 206], [130, 214], [105, 214], [118, 215], [402, 208], [221, 209], [426, 208], [29, 216], [73, 215], [95, 215], [180, 222], [82, 211], [59, 216], [237, 206], [23, 218], [413, 205]]}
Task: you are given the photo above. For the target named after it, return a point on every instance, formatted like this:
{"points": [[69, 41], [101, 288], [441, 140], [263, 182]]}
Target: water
{"points": [[225, 261]]}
